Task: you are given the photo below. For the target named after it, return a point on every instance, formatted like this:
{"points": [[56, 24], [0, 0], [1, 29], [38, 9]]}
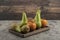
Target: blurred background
{"points": [[12, 9]]}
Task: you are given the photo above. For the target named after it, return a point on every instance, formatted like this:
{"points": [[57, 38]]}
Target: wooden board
{"points": [[30, 33]]}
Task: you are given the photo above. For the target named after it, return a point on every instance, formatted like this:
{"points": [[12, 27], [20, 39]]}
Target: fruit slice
{"points": [[38, 19]]}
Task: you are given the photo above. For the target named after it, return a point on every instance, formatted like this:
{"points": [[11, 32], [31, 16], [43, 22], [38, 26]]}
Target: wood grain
{"points": [[12, 9], [30, 33]]}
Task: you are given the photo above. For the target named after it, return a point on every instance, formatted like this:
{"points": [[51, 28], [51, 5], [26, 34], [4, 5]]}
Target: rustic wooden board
{"points": [[30, 33]]}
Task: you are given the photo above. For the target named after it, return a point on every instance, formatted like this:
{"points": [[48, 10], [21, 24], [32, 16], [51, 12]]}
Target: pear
{"points": [[18, 29], [38, 19], [24, 19]]}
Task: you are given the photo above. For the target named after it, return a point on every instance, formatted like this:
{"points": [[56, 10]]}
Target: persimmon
{"points": [[30, 20], [44, 22], [32, 26]]}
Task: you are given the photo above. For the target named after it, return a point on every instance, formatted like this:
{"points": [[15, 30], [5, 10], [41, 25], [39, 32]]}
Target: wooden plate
{"points": [[30, 33]]}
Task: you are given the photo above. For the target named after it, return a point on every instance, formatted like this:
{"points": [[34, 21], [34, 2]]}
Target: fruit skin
{"points": [[24, 19], [31, 20], [16, 27], [25, 29], [32, 26], [44, 22], [38, 18]]}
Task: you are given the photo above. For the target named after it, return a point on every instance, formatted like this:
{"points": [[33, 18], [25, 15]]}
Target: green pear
{"points": [[38, 19], [18, 29], [24, 19]]}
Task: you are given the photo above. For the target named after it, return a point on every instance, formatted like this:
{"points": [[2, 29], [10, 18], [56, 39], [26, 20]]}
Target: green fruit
{"points": [[25, 29], [22, 24], [18, 29], [24, 19], [13, 26], [38, 19]]}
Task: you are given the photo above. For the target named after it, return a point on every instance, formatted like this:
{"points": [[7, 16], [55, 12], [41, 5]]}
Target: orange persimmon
{"points": [[30, 20], [44, 22], [32, 25]]}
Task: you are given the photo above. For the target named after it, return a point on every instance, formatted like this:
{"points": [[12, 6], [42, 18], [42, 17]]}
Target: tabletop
{"points": [[52, 34]]}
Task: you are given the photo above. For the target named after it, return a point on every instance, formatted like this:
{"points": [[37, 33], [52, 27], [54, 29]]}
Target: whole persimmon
{"points": [[32, 26], [44, 22], [30, 20]]}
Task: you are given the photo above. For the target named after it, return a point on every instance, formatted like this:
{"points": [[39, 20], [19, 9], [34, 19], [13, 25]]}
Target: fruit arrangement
{"points": [[30, 24]]}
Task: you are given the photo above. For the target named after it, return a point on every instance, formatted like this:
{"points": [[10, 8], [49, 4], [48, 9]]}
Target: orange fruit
{"points": [[32, 26], [44, 22], [30, 20]]}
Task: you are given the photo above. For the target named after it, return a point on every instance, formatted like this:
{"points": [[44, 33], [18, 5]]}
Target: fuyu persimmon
{"points": [[30, 20], [32, 26], [44, 22]]}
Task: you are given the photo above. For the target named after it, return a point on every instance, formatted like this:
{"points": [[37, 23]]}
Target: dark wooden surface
{"points": [[22, 2], [12, 9], [30, 33], [18, 16]]}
